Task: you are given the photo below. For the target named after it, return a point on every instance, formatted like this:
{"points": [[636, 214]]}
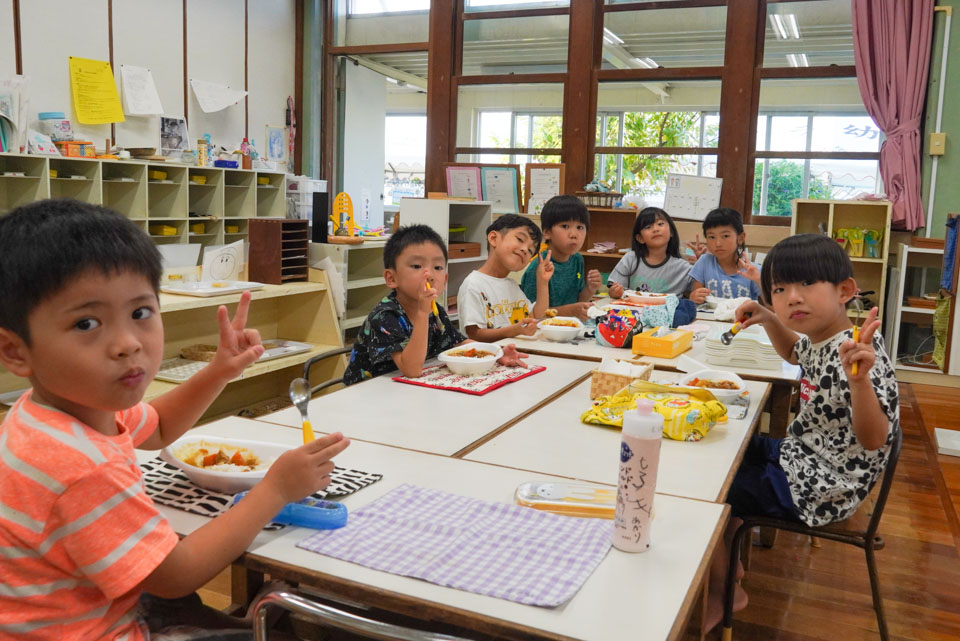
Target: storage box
{"points": [[163, 230], [463, 250], [156, 174], [200, 180], [197, 228], [76, 148], [605, 383], [671, 345]]}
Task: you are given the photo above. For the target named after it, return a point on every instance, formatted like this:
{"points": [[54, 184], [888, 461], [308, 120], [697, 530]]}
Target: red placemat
{"points": [[440, 377]]}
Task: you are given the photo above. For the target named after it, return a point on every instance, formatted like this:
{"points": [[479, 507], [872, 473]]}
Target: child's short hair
{"points": [[647, 217], [46, 244], [406, 236], [563, 209], [724, 217], [513, 221], [804, 257]]}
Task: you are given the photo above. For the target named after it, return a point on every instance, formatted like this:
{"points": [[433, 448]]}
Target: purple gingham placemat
{"points": [[496, 549]]}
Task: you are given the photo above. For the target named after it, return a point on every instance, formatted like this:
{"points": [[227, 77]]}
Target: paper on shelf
{"points": [[94, 90], [175, 256], [222, 262], [140, 97], [336, 283], [213, 97]]}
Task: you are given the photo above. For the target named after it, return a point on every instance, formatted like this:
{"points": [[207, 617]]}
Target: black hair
{"points": [[812, 258], [647, 217], [726, 217], [46, 244], [513, 221], [406, 236], [563, 209]]}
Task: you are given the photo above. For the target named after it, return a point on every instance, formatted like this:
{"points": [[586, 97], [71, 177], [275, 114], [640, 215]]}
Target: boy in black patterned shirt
{"points": [[402, 331]]}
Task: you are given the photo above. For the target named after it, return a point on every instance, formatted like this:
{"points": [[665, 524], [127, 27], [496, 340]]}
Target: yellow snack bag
{"points": [[688, 413]]}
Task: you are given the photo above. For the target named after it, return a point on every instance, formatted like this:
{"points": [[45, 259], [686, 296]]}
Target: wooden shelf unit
{"points": [[124, 186], [361, 269], [870, 273], [294, 311], [278, 250]]}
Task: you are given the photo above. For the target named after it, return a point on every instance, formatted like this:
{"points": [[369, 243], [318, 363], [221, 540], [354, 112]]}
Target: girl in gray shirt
{"points": [[654, 264]]}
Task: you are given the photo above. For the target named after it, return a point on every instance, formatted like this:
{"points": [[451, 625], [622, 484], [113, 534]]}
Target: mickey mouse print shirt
{"points": [[829, 472]]}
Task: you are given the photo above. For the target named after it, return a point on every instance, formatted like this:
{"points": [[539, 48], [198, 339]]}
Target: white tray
{"points": [[178, 370], [212, 288]]}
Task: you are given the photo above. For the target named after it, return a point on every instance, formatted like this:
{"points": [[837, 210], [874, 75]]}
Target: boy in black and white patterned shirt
{"points": [[837, 446]]}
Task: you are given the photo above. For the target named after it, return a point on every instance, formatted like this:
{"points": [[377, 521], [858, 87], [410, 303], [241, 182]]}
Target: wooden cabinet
{"points": [[278, 250], [294, 311], [205, 205], [827, 216]]}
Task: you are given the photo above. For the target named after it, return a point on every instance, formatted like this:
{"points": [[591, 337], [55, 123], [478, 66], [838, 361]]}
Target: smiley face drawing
{"points": [[223, 266]]}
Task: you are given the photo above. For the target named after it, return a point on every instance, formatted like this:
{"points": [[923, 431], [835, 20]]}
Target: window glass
{"points": [[646, 174], [522, 115], [405, 145], [537, 44], [506, 5], [788, 133], [671, 112], [808, 34], [664, 38], [777, 181], [381, 22], [387, 6], [851, 132]]}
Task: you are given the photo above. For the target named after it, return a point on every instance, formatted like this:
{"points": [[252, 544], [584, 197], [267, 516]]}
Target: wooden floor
{"points": [[801, 593]]}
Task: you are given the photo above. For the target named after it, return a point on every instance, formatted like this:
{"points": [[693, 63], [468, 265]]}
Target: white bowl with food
{"points": [[562, 329], [222, 464], [471, 359], [723, 384]]}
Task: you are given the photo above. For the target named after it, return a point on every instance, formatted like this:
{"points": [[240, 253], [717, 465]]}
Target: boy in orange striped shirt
{"points": [[80, 540]]}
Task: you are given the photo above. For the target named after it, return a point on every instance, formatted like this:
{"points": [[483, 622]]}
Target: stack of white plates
{"points": [[751, 348]]}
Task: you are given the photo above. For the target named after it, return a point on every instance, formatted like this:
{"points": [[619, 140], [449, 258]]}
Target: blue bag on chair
{"points": [[685, 314]]}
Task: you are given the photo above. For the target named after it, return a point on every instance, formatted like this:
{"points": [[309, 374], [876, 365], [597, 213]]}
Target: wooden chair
{"points": [[866, 539], [333, 617]]}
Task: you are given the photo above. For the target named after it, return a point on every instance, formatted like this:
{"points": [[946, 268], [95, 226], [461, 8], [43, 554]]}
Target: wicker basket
{"points": [[198, 352], [601, 199], [605, 383]]}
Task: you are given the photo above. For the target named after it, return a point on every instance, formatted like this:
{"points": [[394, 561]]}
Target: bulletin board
{"points": [[542, 181], [490, 171]]}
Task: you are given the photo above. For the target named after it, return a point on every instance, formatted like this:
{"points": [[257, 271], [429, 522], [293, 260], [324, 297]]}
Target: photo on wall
{"points": [[174, 138]]}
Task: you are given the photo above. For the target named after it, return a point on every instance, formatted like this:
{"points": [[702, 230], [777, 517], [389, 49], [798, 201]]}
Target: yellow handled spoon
{"points": [[300, 395]]}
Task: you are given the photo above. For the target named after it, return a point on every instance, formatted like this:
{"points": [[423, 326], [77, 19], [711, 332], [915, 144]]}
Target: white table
{"points": [[653, 592], [552, 440], [430, 420]]}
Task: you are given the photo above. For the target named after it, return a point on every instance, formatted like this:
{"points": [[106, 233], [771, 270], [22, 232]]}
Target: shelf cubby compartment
{"points": [[278, 250], [34, 184], [124, 187], [814, 215], [241, 225], [76, 178], [271, 198], [240, 199], [212, 231], [207, 198], [364, 263], [167, 198], [179, 224]]}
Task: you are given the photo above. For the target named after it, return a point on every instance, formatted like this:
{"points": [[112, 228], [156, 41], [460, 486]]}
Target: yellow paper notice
{"points": [[95, 97]]}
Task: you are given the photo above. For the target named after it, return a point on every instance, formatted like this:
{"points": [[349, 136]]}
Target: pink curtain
{"points": [[891, 44]]}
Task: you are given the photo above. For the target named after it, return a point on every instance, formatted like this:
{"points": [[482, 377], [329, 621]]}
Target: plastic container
{"points": [[56, 125], [310, 512], [637, 480]]}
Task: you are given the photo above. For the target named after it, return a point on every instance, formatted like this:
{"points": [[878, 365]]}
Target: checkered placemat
{"points": [[167, 485], [496, 549], [440, 377]]}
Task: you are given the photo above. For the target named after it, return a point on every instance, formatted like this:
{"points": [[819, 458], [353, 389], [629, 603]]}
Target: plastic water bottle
{"points": [[637, 481]]}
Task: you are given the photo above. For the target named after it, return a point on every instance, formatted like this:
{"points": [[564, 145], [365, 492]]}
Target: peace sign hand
{"points": [[239, 347], [545, 267], [860, 352]]}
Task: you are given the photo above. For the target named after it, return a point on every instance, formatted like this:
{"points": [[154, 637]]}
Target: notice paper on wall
{"points": [[95, 97], [215, 97], [140, 97], [691, 197]]}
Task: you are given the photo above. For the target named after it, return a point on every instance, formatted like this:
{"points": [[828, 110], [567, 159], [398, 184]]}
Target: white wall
{"points": [[363, 155], [8, 54], [149, 33]]}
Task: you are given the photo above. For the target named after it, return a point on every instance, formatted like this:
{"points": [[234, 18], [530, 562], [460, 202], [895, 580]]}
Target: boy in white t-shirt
{"points": [[491, 305]]}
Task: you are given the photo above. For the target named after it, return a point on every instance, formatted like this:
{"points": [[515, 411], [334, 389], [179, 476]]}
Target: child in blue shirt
{"points": [[565, 221], [725, 271]]}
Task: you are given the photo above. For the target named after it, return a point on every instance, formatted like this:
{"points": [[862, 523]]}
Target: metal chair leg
{"points": [[875, 588]]}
